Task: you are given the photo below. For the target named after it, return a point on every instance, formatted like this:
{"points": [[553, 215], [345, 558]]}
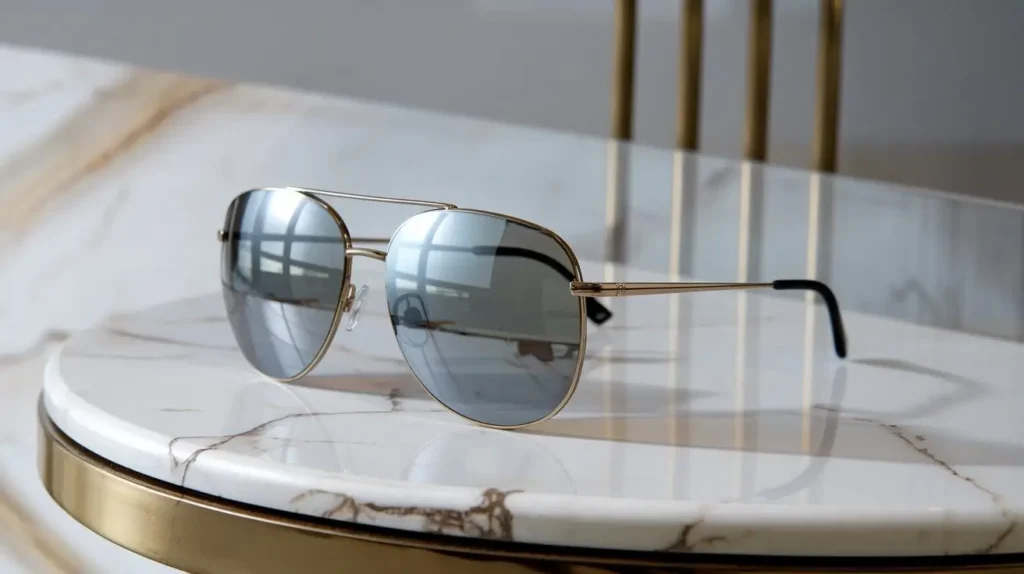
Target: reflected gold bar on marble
{"points": [[759, 70], [810, 309], [30, 542], [623, 67]]}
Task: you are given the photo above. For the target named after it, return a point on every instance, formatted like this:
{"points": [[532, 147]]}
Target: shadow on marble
{"points": [[643, 399], [780, 432], [965, 388], [835, 432]]}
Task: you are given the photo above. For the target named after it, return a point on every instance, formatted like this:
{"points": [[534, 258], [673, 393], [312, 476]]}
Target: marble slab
{"points": [[710, 423]]}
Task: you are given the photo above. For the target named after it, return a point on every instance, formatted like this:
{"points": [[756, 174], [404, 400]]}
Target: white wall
{"points": [[933, 89]]}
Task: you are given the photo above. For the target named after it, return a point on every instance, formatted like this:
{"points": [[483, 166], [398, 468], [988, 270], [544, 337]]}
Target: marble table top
{"points": [[712, 423], [715, 430]]}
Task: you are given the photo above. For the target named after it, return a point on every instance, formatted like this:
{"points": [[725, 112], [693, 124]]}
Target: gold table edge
{"points": [[195, 533]]}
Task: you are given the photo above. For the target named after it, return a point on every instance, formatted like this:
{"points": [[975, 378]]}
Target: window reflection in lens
{"points": [[283, 268], [483, 314]]}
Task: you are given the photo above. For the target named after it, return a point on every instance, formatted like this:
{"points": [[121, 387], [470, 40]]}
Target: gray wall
{"points": [[933, 89]]}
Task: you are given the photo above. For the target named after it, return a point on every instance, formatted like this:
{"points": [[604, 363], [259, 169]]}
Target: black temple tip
{"points": [[838, 333], [597, 312]]}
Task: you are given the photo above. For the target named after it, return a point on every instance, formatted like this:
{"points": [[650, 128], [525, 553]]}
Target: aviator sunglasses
{"points": [[490, 311]]}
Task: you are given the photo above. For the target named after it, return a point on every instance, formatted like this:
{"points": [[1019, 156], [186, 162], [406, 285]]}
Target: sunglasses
{"points": [[490, 311]]}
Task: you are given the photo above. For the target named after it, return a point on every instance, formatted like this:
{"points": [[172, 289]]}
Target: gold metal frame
{"points": [[584, 289], [577, 286], [347, 290]]}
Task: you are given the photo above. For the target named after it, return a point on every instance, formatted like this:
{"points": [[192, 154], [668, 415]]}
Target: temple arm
{"points": [[585, 289], [596, 312]]}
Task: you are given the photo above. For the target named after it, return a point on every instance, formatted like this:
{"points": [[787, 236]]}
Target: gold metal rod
{"points": [[585, 289], [691, 56], [759, 63], [830, 54], [364, 252], [622, 71], [361, 197]]}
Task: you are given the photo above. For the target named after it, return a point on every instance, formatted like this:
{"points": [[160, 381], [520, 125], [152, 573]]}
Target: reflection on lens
{"points": [[283, 268], [483, 314]]}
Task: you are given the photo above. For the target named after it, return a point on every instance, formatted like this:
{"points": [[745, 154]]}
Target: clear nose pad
{"points": [[355, 308]]}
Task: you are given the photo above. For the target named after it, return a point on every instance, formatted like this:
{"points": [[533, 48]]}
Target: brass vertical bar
{"points": [[830, 56], [759, 64], [622, 71], [691, 56]]}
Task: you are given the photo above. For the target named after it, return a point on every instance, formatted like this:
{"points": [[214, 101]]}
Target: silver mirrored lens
{"points": [[282, 270], [483, 314]]}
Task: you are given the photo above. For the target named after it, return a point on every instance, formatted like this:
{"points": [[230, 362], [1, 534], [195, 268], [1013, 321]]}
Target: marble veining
{"points": [[918, 443], [697, 428], [131, 110], [666, 447], [490, 518], [690, 540], [257, 433]]}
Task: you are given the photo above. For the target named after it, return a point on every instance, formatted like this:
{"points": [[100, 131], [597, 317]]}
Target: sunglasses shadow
{"points": [[644, 400], [834, 432]]}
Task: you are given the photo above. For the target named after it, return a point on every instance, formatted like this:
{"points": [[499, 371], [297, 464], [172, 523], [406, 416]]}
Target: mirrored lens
{"points": [[282, 270], [483, 314]]}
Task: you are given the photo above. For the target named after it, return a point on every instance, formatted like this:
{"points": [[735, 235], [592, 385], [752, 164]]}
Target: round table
{"points": [[709, 431]]}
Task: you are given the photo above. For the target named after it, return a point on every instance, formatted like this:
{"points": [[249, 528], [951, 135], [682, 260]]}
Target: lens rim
{"points": [[346, 282], [577, 276]]}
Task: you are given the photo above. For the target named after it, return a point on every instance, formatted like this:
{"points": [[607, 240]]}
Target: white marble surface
{"points": [[114, 178], [713, 429]]}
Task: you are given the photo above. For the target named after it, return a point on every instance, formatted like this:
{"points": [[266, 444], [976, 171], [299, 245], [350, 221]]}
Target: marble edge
{"points": [[542, 518]]}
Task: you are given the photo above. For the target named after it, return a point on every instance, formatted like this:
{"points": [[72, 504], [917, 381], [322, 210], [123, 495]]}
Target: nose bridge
{"points": [[366, 252]]}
